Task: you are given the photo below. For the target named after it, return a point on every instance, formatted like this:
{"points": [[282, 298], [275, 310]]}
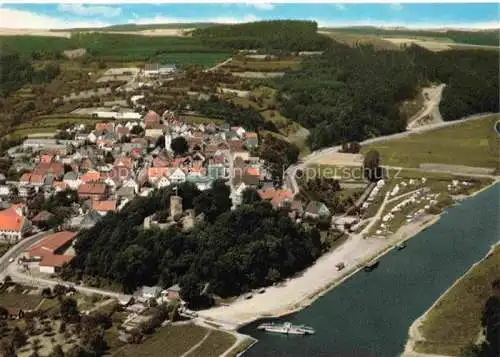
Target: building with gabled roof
{"points": [[13, 224], [50, 251]]}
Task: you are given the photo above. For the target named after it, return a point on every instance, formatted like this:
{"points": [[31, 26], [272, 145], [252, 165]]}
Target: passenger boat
{"points": [[287, 328]]}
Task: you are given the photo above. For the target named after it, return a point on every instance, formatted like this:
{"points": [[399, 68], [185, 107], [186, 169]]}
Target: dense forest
{"points": [[233, 250], [355, 93], [288, 35], [20, 72]]}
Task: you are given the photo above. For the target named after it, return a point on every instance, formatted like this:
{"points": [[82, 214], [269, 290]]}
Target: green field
{"points": [[120, 47], [204, 59], [263, 66], [18, 300], [455, 321], [169, 341], [217, 343], [354, 40], [473, 143]]}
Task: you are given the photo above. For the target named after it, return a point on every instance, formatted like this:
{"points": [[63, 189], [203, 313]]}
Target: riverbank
{"points": [[302, 290], [414, 334]]}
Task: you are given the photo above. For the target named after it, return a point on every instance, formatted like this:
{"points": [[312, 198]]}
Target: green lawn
{"points": [[455, 321], [169, 341], [23, 301], [217, 343], [472, 143]]}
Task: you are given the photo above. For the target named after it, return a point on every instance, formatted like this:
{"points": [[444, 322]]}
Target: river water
{"points": [[369, 314]]}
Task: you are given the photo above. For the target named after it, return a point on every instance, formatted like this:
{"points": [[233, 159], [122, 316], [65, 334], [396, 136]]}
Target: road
{"points": [[429, 114], [14, 270], [219, 65], [291, 172], [17, 249]]}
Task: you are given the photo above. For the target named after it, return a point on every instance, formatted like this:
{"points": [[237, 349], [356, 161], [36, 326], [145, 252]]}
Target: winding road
{"points": [[290, 181]]}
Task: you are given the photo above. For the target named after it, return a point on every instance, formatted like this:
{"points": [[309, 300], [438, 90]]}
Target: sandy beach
{"points": [[302, 290]]}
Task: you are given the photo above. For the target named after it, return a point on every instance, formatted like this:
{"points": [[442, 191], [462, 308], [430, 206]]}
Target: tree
{"points": [[69, 310], [59, 290], [46, 292], [57, 351], [137, 130], [108, 158], [18, 337], [214, 201], [371, 166], [67, 168], [7, 349], [179, 145], [250, 195]]}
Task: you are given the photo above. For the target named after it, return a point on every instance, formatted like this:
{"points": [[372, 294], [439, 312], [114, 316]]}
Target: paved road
{"points": [[291, 172], [17, 249]]}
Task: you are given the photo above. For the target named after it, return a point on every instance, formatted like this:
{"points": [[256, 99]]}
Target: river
{"points": [[369, 314]]}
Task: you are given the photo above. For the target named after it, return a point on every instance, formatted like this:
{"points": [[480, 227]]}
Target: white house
{"points": [[155, 69], [177, 176], [72, 180], [162, 182], [92, 138], [131, 183]]}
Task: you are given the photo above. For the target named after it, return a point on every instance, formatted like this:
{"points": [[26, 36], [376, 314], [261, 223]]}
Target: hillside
{"points": [[285, 35], [355, 93], [483, 38]]}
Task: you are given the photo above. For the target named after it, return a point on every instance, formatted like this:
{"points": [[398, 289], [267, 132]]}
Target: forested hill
{"points": [[234, 250], [288, 35], [355, 93]]}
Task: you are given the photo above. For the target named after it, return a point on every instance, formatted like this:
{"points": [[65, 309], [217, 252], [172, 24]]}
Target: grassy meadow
{"points": [[473, 143], [456, 320]]}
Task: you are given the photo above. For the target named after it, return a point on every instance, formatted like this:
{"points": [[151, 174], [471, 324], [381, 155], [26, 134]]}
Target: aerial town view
{"points": [[249, 179]]}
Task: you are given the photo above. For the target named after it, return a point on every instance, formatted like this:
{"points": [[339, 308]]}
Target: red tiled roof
{"points": [[31, 177], [123, 161], [155, 172], [235, 145], [275, 196], [253, 171], [10, 220], [104, 206], [55, 168], [50, 244], [92, 189], [55, 260], [251, 134], [90, 176], [123, 130], [159, 162], [46, 158]]}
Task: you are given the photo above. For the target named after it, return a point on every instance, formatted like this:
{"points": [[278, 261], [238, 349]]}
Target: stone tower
{"points": [[175, 207]]}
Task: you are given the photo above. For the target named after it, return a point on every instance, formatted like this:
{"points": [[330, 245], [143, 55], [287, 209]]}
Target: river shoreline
{"points": [[376, 248], [414, 334]]}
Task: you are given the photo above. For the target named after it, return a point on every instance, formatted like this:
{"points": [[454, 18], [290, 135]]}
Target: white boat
{"points": [[287, 328]]}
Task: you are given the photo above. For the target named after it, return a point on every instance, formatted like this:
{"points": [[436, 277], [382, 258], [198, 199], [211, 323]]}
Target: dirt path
{"points": [[429, 114], [188, 352]]}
